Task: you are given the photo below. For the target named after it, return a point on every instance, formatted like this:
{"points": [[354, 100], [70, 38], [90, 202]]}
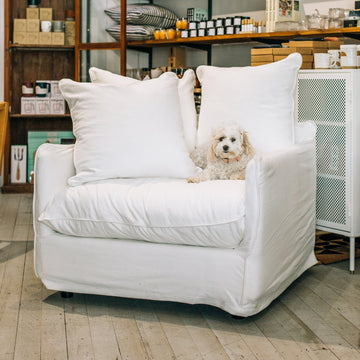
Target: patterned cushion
{"points": [[144, 14], [133, 32]]}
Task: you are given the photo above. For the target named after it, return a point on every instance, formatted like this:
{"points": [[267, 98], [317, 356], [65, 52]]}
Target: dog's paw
{"points": [[237, 177], [193, 180]]}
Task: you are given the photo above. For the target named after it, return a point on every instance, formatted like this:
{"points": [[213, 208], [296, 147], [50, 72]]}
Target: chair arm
{"points": [[53, 166]]}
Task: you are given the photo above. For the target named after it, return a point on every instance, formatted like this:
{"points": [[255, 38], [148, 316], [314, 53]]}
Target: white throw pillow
{"points": [[186, 97], [130, 130], [261, 99]]}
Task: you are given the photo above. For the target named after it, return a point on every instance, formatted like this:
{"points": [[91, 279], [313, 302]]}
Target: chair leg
{"points": [[66, 295], [352, 255]]}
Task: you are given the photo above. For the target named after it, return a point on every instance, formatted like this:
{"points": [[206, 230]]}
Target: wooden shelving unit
{"points": [[29, 62]]}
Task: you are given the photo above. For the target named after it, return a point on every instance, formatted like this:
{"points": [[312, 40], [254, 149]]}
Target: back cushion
{"points": [[261, 99]]}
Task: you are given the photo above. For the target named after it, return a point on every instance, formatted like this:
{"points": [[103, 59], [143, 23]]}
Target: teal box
{"points": [[36, 138], [196, 14]]}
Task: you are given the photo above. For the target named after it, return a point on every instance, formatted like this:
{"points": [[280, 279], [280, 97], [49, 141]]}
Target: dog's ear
{"points": [[246, 143], [211, 153]]}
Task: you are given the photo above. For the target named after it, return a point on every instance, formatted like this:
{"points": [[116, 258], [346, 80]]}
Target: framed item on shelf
{"points": [[18, 163]]}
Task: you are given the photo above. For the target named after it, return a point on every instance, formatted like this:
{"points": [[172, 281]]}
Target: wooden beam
{"points": [[123, 38]]}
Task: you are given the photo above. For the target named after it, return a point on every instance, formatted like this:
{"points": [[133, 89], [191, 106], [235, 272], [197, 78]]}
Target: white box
{"points": [[55, 90], [18, 163], [42, 106], [28, 105], [57, 106]]}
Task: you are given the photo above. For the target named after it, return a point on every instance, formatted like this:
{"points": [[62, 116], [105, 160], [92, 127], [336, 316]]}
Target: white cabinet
{"points": [[331, 98]]}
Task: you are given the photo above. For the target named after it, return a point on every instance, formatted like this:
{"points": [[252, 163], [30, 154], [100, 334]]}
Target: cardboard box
{"points": [[46, 14], [260, 63], [28, 105], [42, 106], [57, 38], [55, 90], [45, 38], [262, 51], [283, 51], [18, 163], [32, 38], [32, 13], [262, 58], [177, 58], [32, 25], [334, 45], [19, 37], [307, 65], [57, 106], [69, 32], [19, 25], [308, 43]]}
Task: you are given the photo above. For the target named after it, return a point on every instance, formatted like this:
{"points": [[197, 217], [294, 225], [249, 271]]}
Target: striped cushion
{"points": [[144, 14], [133, 32]]}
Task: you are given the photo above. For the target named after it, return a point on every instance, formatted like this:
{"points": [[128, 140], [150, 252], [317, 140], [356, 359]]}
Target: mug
{"points": [[321, 60], [58, 26], [334, 59], [45, 26], [42, 88], [348, 56], [27, 89]]}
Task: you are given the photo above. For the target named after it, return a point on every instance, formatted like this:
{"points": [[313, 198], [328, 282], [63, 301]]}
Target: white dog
{"points": [[226, 157]]}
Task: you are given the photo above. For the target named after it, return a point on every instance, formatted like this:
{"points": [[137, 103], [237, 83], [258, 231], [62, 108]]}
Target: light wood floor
{"points": [[318, 317]]}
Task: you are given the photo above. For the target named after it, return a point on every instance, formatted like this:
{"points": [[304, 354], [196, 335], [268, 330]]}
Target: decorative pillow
{"points": [[186, 97], [261, 99], [133, 32], [130, 130], [145, 14]]}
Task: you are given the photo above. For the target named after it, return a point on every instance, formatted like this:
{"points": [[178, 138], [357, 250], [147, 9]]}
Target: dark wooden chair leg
{"points": [[66, 295]]}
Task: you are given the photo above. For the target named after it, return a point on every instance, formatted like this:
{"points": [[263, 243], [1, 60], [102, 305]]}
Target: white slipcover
{"points": [[278, 244]]}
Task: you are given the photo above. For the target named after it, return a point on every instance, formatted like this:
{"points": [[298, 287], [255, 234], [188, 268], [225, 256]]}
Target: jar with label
{"points": [[157, 34], [170, 34], [184, 34], [162, 34], [210, 24], [211, 31], [237, 20], [193, 25], [219, 22], [178, 33], [229, 21], [237, 29], [193, 33], [220, 30], [229, 30], [201, 32], [202, 24]]}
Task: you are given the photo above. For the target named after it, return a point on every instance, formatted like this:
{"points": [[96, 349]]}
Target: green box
{"points": [[36, 138], [196, 14]]}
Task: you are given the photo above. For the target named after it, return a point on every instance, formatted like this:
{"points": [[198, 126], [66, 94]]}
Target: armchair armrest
{"points": [[280, 215], [53, 166]]}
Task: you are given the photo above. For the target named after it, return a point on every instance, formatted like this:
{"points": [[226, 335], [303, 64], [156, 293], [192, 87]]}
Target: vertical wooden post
{"points": [[123, 38], [77, 57]]}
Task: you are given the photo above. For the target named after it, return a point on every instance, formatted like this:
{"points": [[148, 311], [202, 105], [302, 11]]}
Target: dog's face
{"points": [[228, 143]]}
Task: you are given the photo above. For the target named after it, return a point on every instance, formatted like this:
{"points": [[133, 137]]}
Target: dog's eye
{"points": [[221, 139], [233, 139]]}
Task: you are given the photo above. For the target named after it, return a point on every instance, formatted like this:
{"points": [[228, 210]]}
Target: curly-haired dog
{"points": [[226, 157]]}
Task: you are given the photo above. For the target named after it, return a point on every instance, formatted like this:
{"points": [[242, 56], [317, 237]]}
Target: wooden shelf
{"points": [[36, 116], [22, 47], [17, 188]]}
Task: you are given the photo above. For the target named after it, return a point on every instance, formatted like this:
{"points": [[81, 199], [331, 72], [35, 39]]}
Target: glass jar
{"points": [[229, 30], [157, 34], [202, 24], [193, 25], [193, 33], [184, 34], [211, 31], [170, 34], [237, 20], [210, 24], [162, 34], [229, 21], [219, 22], [201, 32], [220, 30], [178, 33]]}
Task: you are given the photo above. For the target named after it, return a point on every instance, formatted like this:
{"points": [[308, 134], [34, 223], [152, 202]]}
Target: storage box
{"points": [[57, 106], [55, 90], [260, 63], [262, 51], [307, 65], [19, 37], [18, 164], [308, 43], [57, 38], [28, 105], [283, 51], [32, 25], [32, 13], [196, 14], [69, 32], [36, 138], [19, 25], [32, 38], [177, 57], [46, 14], [42, 106], [45, 38], [262, 58]]}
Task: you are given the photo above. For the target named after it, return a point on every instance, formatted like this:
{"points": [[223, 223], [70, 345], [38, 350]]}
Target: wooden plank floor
{"points": [[318, 317]]}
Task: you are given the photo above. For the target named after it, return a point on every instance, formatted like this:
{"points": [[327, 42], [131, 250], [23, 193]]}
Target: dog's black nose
{"points": [[226, 148]]}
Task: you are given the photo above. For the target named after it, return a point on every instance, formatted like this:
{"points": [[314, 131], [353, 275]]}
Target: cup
{"points": [[155, 73], [322, 60], [348, 56], [27, 89], [45, 26], [42, 88], [58, 26], [334, 59]]}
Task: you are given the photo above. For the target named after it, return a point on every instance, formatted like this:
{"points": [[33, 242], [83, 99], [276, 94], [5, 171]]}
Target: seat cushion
{"points": [[157, 210]]}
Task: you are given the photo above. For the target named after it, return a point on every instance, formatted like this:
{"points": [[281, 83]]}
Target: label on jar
{"points": [[210, 24], [228, 21], [193, 33], [220, 30], [184, 33], [211, 32], [202, 24], [219, 22], [230, 30], [237, 20], [192, 25], [201, 32]]}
